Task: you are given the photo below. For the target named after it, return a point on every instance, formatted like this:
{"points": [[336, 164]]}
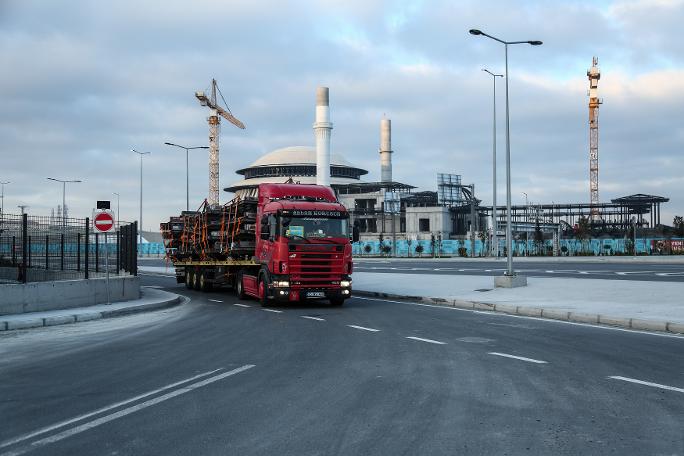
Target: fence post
{"points": [[47, 248], [29, 251], [134, 250], [87, 252], [118, 250], [78, 251], [61, 262], [24, 241], [97, 253]]}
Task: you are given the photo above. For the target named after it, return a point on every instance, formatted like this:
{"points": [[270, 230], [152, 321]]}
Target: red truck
{"points": [[291, 243]]}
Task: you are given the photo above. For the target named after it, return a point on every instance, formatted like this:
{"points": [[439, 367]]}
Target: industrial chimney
{"points": [[385, 150], [322, 128]]}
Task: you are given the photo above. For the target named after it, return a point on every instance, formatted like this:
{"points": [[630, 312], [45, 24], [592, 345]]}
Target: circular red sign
{"points": [[103, 222]]}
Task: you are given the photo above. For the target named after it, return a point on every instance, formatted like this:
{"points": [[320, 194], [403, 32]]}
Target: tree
{"points": [[419, 250], [581, 231], [538, 237]]}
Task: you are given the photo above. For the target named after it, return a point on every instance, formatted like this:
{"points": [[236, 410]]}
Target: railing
{"points": [[37, 248]]}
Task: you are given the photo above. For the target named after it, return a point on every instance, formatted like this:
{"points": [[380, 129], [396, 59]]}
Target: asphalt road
{"points": [[219, 376], [652, 272]]}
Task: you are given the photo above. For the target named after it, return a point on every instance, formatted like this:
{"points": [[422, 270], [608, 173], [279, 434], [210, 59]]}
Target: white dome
{"points": [[297, 155]]}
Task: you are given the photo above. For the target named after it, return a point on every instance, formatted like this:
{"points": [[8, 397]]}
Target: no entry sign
{"points": [[103, 221]]}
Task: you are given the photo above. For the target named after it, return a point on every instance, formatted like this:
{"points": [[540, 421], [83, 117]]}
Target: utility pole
{"points": [[187, 170], [495, 239], [23, 207], [118, 218], [64, 182], [2, 197], [527, 222]]}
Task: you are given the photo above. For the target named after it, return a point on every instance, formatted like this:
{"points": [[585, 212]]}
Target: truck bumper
{"points": [[311, 294]]}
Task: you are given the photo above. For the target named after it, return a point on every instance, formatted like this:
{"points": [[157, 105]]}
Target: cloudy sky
{"points": [[83, 82]]}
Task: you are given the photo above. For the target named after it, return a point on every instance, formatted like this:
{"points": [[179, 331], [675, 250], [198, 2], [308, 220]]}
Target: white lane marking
{"points": [[103, 409], [641, 382], [127, 411], [363, 328], [241, 305], [272, 310], [521, 358], [215, 300], [430, 341], [543, 320], [152, 286], [633, 272], [312, 318]]}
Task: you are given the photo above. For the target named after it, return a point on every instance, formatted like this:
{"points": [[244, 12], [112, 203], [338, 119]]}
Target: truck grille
{"points": [[316, 266]]}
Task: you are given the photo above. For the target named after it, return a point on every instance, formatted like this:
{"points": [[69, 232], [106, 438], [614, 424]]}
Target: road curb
{"points": [[537, 312], [88, 315]]}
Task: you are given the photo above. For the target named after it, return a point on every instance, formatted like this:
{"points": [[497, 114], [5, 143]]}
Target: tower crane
{"points": [[594, 74], [214, 130]]}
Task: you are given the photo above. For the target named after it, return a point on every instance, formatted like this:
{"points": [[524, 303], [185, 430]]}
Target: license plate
{"points": [[315, 294]]}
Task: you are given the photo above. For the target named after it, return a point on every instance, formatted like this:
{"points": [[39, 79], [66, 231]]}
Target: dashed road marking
{"points": [[272, 310], [430, 341], [215, 300], [521, 358], [642, 382], [241, 305], [312, 318], [364, 328]]}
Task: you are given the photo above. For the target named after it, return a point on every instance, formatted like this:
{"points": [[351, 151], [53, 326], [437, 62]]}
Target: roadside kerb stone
{"points": [[88, 316], [677, 328], [25, 324], [539, 312], [58, 320]]}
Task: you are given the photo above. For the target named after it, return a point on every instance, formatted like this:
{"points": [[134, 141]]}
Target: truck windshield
{"points": [[314, 227]]}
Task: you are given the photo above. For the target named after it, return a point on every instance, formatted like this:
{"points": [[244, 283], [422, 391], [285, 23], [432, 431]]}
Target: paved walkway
{"points": [[623, 303], [151, 299]]}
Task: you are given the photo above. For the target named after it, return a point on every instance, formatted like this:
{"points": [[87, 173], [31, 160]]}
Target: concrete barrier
{"points": [[65, 294]]}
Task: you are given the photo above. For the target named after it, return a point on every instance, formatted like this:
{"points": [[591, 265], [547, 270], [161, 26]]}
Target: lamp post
{"points": [[509, 257], [64, 182], [118, 219], [495, 239], [2, 197], [187, 170], [140, 228], [527, 221]]}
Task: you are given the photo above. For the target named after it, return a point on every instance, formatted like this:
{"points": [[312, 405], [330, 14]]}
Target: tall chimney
{"points": [[322, 128], [385, 150]]}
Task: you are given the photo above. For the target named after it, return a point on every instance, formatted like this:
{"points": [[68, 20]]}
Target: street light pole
{"points": [[118, 219], [64, 182], [495, 239], [187, 170], [2, 197], [140, 228], [509, 257], [527, 228]]}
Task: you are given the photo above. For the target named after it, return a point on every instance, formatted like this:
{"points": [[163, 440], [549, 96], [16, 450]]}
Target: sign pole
{"points": [[107, 265]]}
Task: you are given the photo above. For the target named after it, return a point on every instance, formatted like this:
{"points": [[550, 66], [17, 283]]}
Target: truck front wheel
{"points": [[188, 279], [263, 290]]}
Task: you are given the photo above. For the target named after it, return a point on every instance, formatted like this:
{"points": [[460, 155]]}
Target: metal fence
{"points": [[37, 248]]}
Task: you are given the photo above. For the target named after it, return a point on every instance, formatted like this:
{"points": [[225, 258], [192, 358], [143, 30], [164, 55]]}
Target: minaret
{"points": [[322, 128], [385, 150]]}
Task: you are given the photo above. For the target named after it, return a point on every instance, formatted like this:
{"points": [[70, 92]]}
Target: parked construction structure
{"points": [[594, 74]]}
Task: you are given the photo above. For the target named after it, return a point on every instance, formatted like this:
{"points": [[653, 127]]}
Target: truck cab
{"points": [[302, 245]]}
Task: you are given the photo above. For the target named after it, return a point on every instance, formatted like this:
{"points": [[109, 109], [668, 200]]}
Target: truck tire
{"points": [[337, 301], [262, 286], [204, 284], [239, 286], [195, 280], [188, 279]]}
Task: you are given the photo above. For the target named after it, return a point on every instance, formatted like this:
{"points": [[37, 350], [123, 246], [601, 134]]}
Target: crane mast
{"points": [[594, 74], [215, 110]]}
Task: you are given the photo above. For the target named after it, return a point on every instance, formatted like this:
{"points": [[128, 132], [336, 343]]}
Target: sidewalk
{"points": [[659, 259], [654, 306], [151, 299]]}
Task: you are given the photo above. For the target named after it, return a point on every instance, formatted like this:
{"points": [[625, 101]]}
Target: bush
{"points": [[367, 248], [419, 249], [462, 251], [386, 249]]}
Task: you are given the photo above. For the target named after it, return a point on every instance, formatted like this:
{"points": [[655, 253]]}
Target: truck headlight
{"points": [[345, 283], [281, 283]]}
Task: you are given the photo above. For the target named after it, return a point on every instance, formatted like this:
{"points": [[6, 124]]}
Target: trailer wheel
{"points": [[188, 279], [204, 285], [336, 301], [195, 280], [239, 287]]}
